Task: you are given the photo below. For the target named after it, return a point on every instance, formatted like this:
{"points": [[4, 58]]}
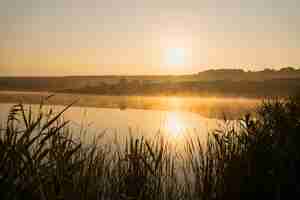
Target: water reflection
{"points": [[175, 125], [175, 103], [210, 107], [115, 123]]}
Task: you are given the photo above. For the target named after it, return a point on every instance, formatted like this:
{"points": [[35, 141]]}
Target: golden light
{"points": [[175, 103], [174, 124], [174, 56]]}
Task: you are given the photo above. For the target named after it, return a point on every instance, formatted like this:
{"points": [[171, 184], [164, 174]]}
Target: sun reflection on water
{"points": [[175, 126]]}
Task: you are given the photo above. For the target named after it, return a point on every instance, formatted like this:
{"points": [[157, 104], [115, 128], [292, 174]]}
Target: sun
{"points": [[174, 56]]}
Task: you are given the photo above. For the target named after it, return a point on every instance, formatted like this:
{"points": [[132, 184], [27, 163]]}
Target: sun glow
{"points": [[174, 56], [174, 124]]}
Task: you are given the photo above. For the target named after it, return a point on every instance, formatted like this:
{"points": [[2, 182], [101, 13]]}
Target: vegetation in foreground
{"points": [[41, 159]]}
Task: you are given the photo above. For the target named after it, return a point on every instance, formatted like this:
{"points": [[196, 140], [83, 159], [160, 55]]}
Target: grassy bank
{"points": [[41, 159]]}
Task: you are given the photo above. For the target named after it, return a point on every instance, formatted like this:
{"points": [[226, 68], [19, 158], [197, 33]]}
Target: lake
{"points": [[118, 117]]}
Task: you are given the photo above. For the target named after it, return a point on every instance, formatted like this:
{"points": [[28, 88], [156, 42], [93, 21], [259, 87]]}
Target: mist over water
{"points": [[211, 107], [117, 118]]}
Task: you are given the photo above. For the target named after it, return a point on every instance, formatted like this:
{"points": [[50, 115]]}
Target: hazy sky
{"points": [[94, 37]]}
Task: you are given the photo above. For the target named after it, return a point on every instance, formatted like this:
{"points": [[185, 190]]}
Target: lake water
{"points": [[122, 123], [137, 119]]}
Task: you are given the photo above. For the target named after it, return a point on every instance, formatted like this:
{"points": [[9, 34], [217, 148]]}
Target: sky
{"points": [[101, 37]]}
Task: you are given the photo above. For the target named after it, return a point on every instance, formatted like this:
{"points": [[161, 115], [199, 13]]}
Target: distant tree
{"points": [[123, 82], [287, 69], [268, 70]]}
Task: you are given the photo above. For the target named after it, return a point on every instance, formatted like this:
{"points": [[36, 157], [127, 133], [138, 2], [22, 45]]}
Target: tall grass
{"points": [[40, 158]]}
